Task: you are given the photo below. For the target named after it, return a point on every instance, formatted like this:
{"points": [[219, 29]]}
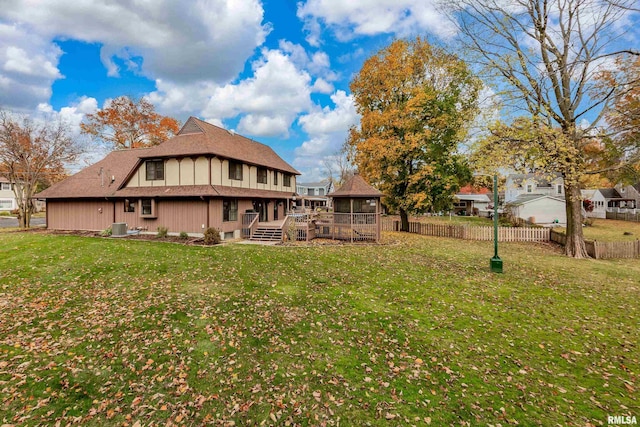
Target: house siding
{"points": [[176, 215], [543, 211], [80, 214]]}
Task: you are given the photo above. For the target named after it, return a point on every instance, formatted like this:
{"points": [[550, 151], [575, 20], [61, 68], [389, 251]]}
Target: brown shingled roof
{"points": [[199, 137], [90, 182], [356, 187]]}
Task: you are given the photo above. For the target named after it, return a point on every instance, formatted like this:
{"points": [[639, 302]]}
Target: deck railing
{"points": [[249, 224]]}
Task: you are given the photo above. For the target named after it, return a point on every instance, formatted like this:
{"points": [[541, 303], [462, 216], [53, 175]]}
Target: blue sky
{"points": [[277, 71]]}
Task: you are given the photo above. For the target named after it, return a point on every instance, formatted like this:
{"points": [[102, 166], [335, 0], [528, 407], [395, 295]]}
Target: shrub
{"points": [[106, 232], [588, 222], [184, 235], [211, 236], [162, 232]]}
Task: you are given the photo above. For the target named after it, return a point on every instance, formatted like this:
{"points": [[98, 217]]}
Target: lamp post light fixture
{"points": [[496, 261]]}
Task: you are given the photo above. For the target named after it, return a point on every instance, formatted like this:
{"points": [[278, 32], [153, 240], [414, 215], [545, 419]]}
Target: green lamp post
{"points": [[496, 262]]}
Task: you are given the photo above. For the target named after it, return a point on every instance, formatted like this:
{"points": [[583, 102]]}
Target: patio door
{"points": [[261, 207]]}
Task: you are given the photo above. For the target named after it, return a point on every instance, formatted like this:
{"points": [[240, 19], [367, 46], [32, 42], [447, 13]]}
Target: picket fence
{"points": [[505, 234], [604, 250]]}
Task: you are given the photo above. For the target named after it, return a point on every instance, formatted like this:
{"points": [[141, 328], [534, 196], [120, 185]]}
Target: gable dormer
{"points": [[190, 126]]}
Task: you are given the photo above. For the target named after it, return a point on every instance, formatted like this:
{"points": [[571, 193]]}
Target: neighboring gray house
{"points": [[471, 204], [7, 198], [313, 195], [630, 192]]}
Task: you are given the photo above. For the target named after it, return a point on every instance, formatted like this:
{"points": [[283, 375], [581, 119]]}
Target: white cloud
{"points": [[327, 129], [331, 120], [322, 86], [269, 101], [372, 17], [204, 40], [28, 67]]}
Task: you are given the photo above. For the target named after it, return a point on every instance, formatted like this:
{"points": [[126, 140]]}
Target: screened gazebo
{"points": [[356, 213]]}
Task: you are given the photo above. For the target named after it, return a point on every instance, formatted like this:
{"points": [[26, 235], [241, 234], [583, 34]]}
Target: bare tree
{"points": [[545, 57], [339, 168], [32, 152]]}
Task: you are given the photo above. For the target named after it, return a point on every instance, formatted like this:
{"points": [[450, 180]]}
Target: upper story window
{"points": [[286, 180], [235, 170], [262, 175], [311, 191], [529, 188], [155, 170], [320, 191], [5, 186], [558, 188], [275, 177]]}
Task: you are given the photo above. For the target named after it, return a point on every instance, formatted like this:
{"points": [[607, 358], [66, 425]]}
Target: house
{"points": [[538, 209], [203, 177], [7, 197], [313, 195], [472, 201], [630, 192], [526, 184], [607, 200]]}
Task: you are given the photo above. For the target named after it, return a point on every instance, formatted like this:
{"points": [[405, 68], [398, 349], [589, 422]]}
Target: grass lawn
{"points": [[412, 332], [453, 219], [610, 230]]}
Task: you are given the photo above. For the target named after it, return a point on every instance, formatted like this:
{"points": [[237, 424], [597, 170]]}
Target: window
{"points": [[230, 210], [275, 177], [311, 191], [129, 205], [235, 170], [529, 188], [155, 170], [262, 175], [5, 186], [558, 188], [321, 191], [147, 208], [286, 180], [6, 204]]}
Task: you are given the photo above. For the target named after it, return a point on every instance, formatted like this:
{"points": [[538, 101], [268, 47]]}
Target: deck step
{"points": [[267, 234]]}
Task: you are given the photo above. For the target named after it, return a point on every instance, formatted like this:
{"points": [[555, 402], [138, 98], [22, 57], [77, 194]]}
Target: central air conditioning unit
{"points": [[119, 229]]}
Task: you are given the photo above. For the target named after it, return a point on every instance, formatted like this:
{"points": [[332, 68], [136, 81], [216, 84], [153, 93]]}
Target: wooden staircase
{"points": [[267, 233]]}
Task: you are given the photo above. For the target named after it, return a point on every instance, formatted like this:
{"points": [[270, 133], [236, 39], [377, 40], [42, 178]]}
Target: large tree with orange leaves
{"points": [[130, 123], [32, 153], [624, 118], [416, 102]]}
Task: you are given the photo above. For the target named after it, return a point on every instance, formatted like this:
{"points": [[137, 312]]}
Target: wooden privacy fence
{"points": [[624, 216], [604, 250], [505, 234]]}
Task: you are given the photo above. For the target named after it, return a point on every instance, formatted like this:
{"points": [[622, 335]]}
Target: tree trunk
{"points": [[404, 220], [575, 246]]}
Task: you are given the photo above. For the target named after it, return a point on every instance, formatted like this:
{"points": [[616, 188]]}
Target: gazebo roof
{"points": [[356, 186]]}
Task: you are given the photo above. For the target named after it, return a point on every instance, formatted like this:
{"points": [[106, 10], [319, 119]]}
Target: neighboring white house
{"points": [[539, 209], [313, 195], [608, 199], [471, 204], [7, 198], [528, 184], [536, 198]]}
